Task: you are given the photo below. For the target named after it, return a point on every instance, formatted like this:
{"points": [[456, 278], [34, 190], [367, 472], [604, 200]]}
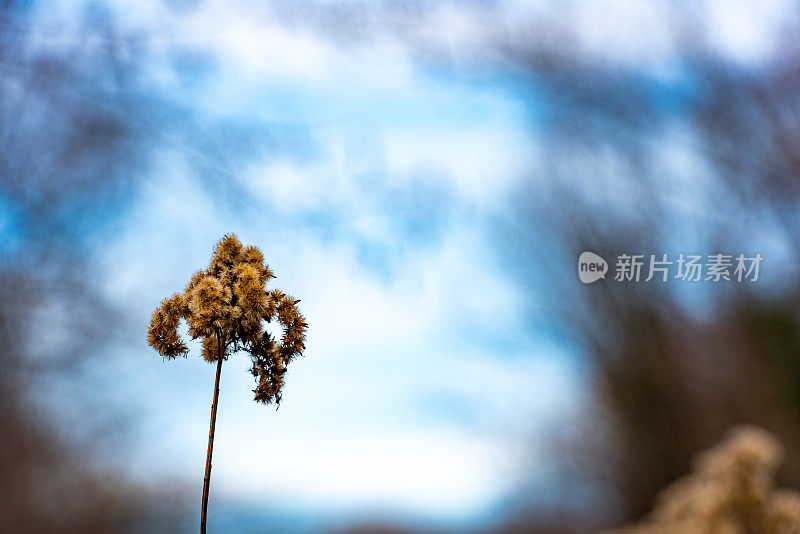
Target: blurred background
{"points": [[423, 175]]}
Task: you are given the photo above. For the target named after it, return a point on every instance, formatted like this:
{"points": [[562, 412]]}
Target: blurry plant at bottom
{"points": [[226, 305], [731, 491]]}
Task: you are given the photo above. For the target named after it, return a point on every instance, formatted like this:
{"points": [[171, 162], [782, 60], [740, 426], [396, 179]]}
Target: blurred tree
{"points": [[225, 305], [706, 161], [69, 152]]}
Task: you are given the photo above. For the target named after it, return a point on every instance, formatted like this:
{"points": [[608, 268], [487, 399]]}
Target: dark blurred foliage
{"points": [[69, 148], [67, 153], [51, 480], [671, 368]]}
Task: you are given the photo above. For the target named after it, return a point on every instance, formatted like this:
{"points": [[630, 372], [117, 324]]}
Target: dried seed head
{"points": [[229, 302], [163, 332], [731, 490]]}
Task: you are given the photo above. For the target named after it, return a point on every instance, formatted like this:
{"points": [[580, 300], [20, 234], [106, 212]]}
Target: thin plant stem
{"points": [[207, 478]]}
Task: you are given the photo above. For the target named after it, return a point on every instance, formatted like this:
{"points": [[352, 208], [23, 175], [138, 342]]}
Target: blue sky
{"points": [[401, 400], [367, 172], [414, 396]]}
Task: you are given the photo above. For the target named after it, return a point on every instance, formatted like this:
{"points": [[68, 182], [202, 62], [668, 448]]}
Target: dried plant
{"points": [[730, 492], [226, 305]]}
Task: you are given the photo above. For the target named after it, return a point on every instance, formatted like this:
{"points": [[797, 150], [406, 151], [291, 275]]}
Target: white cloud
{"points": [[442, 473], [482, 163], [746, 30]]}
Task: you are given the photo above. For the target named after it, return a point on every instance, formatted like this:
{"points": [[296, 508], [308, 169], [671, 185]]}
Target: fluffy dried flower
{"points": [[730, 491], [163, 332], [226, 306]]}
